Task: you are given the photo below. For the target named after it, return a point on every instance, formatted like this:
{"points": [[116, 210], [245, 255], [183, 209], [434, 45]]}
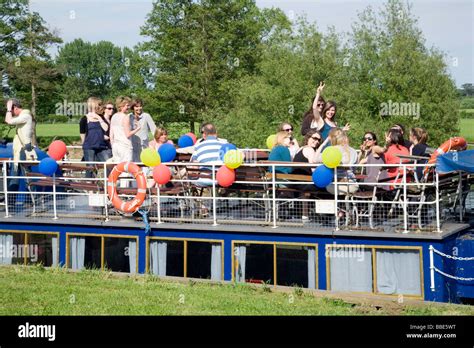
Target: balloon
{"points": [[271, 141], [150, 157], [57, 150], [185, 141], [332, 156], [225, 176], [225, 148], [161, 174], [167, 152], [323, 176], [233, 159], [48, 166], [193, 136]]}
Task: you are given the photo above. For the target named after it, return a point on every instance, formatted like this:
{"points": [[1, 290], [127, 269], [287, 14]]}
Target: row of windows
{"points": [[372, 269], [28, 248]]}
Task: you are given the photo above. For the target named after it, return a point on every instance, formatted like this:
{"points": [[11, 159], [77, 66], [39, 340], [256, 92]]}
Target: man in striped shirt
{"points": [[208, 151]]}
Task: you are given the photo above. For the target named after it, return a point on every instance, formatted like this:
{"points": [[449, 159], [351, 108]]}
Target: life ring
{"points": [[455, 143], [133, 169]]}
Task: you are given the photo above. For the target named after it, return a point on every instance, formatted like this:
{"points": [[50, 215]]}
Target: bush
{"points": [[466, 114], [467, 103], [53, 118]]}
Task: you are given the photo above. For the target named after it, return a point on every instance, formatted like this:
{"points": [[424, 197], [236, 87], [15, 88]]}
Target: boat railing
{"points": [[258, 197]]}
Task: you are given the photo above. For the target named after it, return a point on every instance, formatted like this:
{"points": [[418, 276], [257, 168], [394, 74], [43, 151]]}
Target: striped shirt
{"points": [[208, 151]]}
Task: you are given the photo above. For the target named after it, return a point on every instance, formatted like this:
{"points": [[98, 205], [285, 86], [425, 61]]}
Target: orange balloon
{"points": [[225, 176], [57, 150], [161, 174]]}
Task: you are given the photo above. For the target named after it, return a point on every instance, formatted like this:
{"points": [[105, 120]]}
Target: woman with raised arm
{"points": [[325, 120]]}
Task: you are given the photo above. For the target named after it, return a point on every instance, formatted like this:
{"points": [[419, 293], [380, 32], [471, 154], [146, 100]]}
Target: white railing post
{"points": [[214, 200], [405, 207], [106, 203], [460, 197], [55, 217], [438, 224], [336, 210], [274, 207], [158, 204], [5, 187], [432, 280]]}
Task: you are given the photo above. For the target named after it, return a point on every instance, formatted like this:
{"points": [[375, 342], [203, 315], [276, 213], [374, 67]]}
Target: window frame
{"points": [[25, 244], [185, 252], [235, 262], [373, 251]]}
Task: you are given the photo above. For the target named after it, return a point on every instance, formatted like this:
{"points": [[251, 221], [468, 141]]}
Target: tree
{"points": [[93, 69], [196, 49]]}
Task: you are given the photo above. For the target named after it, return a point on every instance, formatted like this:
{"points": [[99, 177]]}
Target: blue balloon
{"points": [[48, 166], [185, 141], [225, 148], [167, 152], [323, 176]]}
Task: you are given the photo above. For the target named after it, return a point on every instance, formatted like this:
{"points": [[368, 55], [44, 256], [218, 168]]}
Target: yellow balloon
{"points": [[233, 159], [332, 156], [271, 141], [150, 157]]}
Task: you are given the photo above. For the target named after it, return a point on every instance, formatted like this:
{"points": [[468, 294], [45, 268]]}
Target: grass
{"points": [[467, 129], [38, 291]]}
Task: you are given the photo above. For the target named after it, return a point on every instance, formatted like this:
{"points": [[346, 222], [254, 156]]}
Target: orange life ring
{"points": [[133, 205], [455, 143]]}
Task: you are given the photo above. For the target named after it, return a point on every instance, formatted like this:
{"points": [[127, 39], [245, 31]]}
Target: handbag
{"points": [[28, 149]]}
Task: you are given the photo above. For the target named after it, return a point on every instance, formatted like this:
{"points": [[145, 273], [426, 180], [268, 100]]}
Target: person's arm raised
{"points": [[319, 91], [126, 125]]}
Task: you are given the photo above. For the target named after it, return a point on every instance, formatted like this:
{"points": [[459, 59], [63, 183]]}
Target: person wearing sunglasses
{"points": [[294, 146], [368, 142]]}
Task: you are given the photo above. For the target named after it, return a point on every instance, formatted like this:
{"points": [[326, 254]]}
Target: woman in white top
{"points": [[120, 132], [339, 139]]}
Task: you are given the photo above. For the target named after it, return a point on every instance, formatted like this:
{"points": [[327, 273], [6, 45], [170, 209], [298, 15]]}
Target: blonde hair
{"points": [[159, 132], [338, 137], [95, 105], [121, 101], [280, 137]]}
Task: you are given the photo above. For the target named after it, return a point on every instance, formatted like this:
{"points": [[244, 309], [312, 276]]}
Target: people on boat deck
{"points": [[160, 137], [280, 152], [394, 147], [120, 131], [401, 129], [24, 122], [368, 142], [418, 138], [208, 150], [323, 121], [310, 152], [146, 125], [95, 146], [294, 146], [339, 139]]}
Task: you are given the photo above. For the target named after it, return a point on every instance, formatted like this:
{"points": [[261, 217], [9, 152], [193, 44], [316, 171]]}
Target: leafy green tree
{"points": [[197, 48]]}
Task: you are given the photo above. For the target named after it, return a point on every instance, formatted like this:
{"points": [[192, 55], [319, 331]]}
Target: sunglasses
{"points": [[320, 104], [109, 108], [288, 129], [369, 138], [316, 138]]}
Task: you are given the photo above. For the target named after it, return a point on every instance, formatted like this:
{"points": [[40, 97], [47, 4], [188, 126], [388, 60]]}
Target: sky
{"points": [[446, 24]]}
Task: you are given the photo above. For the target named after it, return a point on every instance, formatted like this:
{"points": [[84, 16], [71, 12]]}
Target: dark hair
{"points": [[309, 114], [373, 135], [310, 133], [135, 102], [397, 126], [16, 103], [327, 106], [396, 137]]}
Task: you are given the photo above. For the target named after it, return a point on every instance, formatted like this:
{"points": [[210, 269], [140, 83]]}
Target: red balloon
{"points": [[225, 176], [193, 136], [57, 150], [161, 174]]}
